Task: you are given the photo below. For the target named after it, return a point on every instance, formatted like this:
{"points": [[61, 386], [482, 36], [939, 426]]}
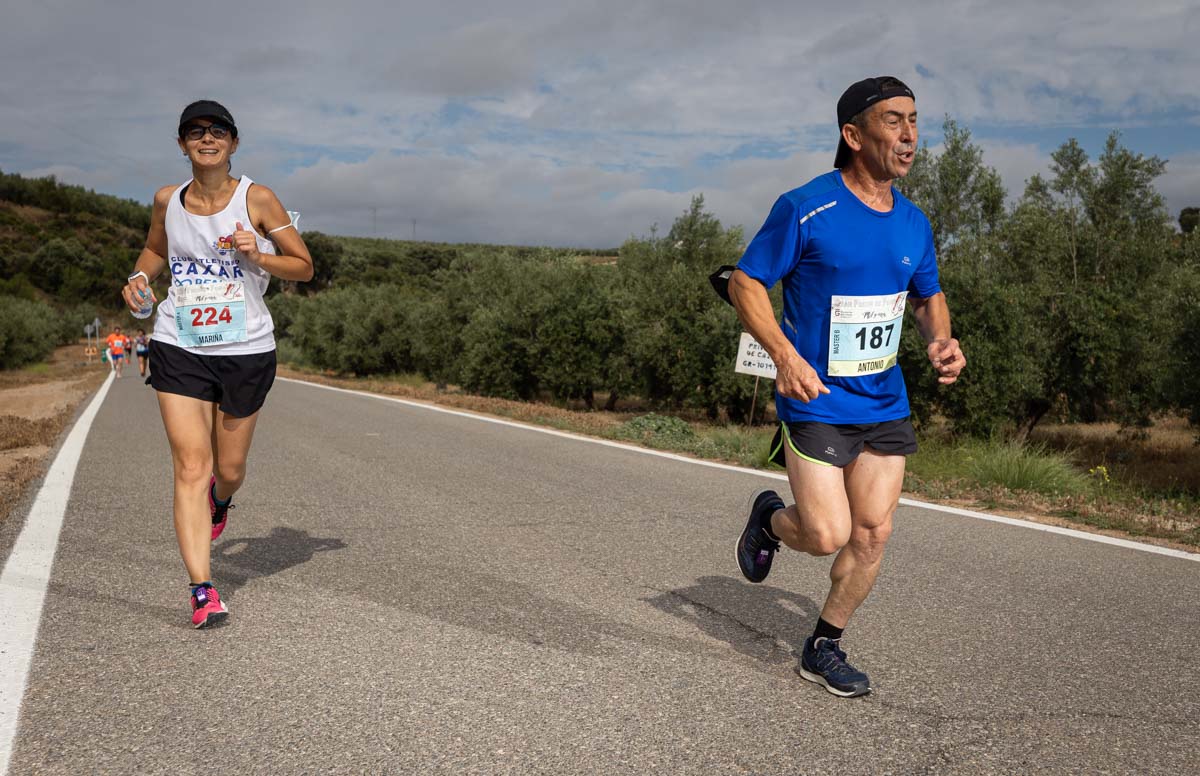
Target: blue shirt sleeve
{"points": [[776, 248], [924, 283]]}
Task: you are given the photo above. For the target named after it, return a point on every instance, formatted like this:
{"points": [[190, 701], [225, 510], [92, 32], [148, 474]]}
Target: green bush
{"points": [[357, 329], [1181, 365], [283, 309], [658, 431], [72, 321], [499, 340], [681, 339], [578, 334], [28, 331], [995, 317]]}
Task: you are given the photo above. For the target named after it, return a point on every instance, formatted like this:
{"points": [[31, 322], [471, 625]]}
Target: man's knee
{"points": [[827, 539], [870, 538]]}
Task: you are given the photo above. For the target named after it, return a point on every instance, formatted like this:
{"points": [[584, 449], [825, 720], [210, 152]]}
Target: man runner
{"points": [[851, 252], [118, 343]]}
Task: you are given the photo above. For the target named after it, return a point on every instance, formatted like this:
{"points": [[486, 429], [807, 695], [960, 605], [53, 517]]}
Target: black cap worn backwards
{"points": [[207, 109], [859, 97]]}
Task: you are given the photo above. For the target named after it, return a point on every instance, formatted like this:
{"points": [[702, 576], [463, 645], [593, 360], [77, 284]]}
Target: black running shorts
{"points": [[237, 384], [838, 445]]}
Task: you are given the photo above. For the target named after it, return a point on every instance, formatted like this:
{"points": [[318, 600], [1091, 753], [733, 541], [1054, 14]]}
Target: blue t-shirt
{"points": [[846, 270]]}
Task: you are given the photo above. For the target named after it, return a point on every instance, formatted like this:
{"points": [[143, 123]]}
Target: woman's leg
{"points": [[231, 438], [189, 431]]}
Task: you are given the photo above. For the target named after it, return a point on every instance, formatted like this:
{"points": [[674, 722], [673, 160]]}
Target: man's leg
{"points": [[872, 489], [819, 522], [873, 483]]}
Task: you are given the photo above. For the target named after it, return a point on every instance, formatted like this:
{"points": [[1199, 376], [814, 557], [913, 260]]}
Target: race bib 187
{"points": [[864, 333], [210, 314]]}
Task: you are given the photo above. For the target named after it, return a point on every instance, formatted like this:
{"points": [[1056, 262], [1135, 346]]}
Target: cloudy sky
{"points": [[574, 123]]}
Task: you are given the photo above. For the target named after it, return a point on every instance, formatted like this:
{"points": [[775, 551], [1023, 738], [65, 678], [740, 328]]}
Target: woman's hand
{"points": [[246, 243], [137, 291]]}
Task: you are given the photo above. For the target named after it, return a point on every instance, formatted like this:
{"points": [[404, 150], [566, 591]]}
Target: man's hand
{"points": [[947, 359], [246, 243], [795, 379]]}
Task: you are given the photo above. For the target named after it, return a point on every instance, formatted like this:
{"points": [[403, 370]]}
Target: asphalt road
{"points": [[416, 592]]}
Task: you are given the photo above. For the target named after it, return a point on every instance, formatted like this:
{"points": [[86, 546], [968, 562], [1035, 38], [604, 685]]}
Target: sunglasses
{"points": [[196, 132]]}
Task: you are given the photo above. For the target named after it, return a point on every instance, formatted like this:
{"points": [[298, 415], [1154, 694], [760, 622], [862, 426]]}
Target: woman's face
{"points": [[200, 143]]}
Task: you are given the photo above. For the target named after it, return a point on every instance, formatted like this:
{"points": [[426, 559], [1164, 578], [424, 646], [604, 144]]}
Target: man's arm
{"points": [[795, 377], [933, 322]]}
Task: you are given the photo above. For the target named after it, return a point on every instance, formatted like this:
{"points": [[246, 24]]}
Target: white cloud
{"points": [[1180, 185], [582, 109]]}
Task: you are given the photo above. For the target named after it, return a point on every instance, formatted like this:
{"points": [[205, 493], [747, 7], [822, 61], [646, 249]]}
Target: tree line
{"points": [[1078, 300]]}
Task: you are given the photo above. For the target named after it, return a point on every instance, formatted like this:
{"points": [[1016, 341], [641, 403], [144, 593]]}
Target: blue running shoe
{"points": [[825, 663], [755, 549]]}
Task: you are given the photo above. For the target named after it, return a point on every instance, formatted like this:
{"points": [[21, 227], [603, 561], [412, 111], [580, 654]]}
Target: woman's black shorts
{"points": [[839, 445], [238, 384]]}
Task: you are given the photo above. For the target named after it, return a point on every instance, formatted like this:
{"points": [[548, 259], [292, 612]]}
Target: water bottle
{"points": [[147, 307]]}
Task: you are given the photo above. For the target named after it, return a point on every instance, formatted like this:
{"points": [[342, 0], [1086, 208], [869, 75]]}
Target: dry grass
{"points": [[596, 423], [18, 432], [1164, 458], [29, 428]]}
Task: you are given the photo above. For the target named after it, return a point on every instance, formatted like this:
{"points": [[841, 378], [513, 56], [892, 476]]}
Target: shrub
{"points": [[357, 329], [657, 431], [28, 331], [1029, 468], [283, 309], [72, 321]]}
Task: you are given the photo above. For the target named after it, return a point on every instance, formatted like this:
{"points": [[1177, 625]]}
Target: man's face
{"points": [[887, 144]]}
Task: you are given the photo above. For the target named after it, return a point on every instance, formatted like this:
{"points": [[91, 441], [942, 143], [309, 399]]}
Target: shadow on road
{"points": [[237, 561], [765, 623], [502, 607]]}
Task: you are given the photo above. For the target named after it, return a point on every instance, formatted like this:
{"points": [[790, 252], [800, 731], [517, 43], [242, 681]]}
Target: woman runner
{"points": [[212, 344], [142, 344]]}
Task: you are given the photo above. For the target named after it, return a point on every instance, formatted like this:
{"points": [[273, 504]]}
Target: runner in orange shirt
{"points": [[118, 343]]}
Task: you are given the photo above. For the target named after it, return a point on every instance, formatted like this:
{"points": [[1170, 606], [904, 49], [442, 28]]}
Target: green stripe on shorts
{"points": [[779, 459]]}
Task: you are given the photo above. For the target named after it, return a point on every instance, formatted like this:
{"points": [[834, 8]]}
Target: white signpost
{"points": [[752, 359]]}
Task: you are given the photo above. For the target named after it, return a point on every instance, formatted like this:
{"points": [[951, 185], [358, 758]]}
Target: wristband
{"points": [[134, 275]]}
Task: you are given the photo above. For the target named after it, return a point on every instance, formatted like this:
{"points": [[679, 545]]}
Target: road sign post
{"points": [[752, 359]]}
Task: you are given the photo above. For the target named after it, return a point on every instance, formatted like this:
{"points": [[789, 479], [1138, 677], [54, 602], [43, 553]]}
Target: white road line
{"points": [[27, 573], [1091, 537]]}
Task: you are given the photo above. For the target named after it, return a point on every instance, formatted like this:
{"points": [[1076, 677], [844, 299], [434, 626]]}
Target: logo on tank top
{"points": [[223, 245]]}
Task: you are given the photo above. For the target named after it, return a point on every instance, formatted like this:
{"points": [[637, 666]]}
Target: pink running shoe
{"points": [[220, 515], [207, 607]]}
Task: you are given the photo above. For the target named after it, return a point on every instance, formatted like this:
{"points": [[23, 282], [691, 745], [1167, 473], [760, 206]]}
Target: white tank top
{"points": [[200, 250]]}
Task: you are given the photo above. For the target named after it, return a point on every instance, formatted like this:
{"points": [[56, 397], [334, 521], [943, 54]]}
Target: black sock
{"points": [[826, 631], [193, 585], [766, 526]]}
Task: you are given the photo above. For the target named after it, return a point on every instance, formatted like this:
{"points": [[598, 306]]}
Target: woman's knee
{"points": [[193, 467], [231, 471]]}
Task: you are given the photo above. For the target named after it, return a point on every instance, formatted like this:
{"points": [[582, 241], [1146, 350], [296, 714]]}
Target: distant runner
{"points": [[213, 345], [117, 344], [141, 344], [852, 253]]}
